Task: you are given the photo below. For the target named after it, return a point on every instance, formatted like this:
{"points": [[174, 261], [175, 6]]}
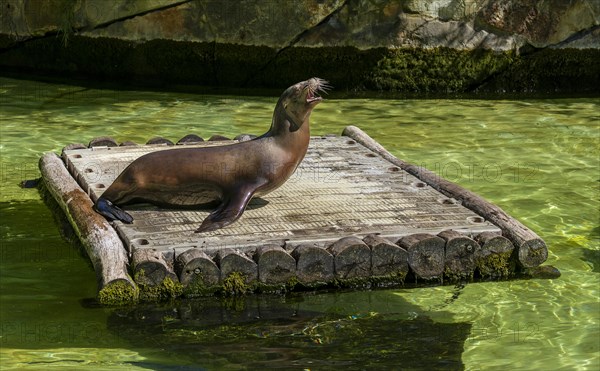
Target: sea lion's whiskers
{"points": [[316, 87], [324, 87]]}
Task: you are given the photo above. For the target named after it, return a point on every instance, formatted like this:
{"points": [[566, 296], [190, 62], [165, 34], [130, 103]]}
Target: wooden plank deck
{"points": [[340, 189]]}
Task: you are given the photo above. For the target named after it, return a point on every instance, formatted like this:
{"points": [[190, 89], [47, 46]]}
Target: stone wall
{"points": [[407, 45]]}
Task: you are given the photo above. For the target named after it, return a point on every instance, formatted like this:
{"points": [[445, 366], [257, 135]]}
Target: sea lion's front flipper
{"points": [[229, 211], [112, 212]]}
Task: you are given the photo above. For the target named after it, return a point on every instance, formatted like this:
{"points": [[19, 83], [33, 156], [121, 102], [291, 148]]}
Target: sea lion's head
{"points": [[297, 102]]}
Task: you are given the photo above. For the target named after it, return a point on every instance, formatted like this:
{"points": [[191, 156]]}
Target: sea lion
{"points": [[229, 175]]}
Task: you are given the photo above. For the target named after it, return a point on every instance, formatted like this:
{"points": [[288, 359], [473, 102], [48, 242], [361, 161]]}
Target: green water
{"points": [[537, 159]]}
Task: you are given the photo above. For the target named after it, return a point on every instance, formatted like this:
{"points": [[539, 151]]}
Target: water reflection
{"points": [[324, 331]]}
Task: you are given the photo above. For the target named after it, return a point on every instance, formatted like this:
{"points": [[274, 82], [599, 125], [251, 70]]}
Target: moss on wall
{"points": [[436, 70], [404, 70], [550, 70]]}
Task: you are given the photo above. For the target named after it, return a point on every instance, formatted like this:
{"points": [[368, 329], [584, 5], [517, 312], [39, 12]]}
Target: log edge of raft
{"points": [[531, 249], [100, 240]]}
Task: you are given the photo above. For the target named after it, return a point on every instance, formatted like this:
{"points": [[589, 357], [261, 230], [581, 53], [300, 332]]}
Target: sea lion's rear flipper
{"points": [[229, 211], [112, 212]]}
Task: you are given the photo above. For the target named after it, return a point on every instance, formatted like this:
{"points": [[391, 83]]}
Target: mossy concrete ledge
{"points": [[353, 216], [102, 244]]}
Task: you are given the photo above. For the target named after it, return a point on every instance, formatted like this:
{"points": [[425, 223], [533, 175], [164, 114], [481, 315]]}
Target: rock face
{"points": [[357, 44]]}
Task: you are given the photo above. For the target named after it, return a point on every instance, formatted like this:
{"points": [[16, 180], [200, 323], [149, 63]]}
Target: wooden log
{"points": [[460, 255], [425, 254], [159, 140], [533, 247], [275, 265], [494, 258], [313, 264], [103, 142], [150, 268], [531, 254], [244, 137], [386, 258], [190, 139], [101, 242], [231, 261], [217, 138], [351, 257], [193, 265], [72, 146]]}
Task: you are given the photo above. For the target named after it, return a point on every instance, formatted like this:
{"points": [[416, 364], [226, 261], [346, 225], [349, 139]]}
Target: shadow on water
{"points": [[593, 256], [325, 331]]}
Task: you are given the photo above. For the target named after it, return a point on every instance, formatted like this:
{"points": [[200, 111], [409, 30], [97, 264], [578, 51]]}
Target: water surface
{"points": [[537, 159]]}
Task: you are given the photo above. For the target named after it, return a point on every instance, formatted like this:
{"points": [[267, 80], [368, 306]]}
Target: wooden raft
{"points": [[352, 213]]}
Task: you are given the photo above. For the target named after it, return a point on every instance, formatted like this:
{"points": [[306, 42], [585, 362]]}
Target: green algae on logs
{"points": [[291, 285], [197, 287], [235, 284], [390, 280], [167, 289], [118, 293], [451, 277], [495, 265]]}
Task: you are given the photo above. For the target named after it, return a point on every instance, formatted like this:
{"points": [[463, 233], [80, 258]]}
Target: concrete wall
{"points": [[407, 46]]}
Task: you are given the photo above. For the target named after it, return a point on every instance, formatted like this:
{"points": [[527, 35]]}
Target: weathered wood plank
{"points": [[338, 190]]}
